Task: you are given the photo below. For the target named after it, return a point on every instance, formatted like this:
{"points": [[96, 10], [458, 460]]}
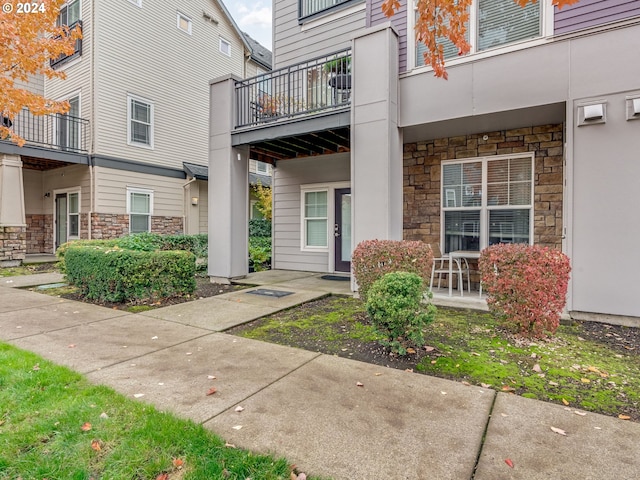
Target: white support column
{"points": [[11, 192], [228, 188], [376, 140]]}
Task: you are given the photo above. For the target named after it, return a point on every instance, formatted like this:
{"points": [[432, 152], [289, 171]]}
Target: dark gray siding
{"points": [[399, 21], [590, 13]]}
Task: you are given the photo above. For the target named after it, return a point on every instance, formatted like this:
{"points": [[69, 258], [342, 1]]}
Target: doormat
{"points": [[266, 292], [337, 278]]}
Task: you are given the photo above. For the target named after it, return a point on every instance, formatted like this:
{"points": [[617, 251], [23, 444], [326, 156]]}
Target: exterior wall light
{"points": [[194, 201]]}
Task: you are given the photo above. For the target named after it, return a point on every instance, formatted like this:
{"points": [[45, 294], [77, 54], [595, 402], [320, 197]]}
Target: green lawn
{"points": [[55, 425]]}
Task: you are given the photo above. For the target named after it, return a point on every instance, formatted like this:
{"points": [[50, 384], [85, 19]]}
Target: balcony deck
{"points": [[298, 110]]}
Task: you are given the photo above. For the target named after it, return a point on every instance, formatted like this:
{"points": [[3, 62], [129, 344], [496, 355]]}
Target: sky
{"points": [[253, 17]]}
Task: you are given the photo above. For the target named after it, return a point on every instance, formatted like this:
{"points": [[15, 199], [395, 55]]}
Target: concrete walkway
{"points": [[310, 407]]}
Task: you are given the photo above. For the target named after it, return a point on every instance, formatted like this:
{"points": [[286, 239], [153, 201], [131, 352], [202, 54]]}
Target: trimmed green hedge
{"points": [[259, 227], [110, 273]]}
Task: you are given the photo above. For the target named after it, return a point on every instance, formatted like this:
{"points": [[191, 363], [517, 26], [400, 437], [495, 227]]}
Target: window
{"points": [[68, 126], [139, 208], [494, 23], [487, 201], [225, 47], [315, 219], [262, 168], [69, 14], [254, 213], [307, 8], [137, 3], [184, 23], [140, 123], [74, 215]]}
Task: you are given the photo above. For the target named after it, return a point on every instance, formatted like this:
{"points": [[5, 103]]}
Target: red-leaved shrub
{"points": [[526, 286], [372, 259]]}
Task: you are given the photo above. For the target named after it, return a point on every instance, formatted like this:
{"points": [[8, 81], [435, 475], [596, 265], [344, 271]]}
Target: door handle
{"points": [[336, 230]]}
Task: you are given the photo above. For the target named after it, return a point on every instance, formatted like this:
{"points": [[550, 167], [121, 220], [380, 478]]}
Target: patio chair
{"points": [[441, 267]]}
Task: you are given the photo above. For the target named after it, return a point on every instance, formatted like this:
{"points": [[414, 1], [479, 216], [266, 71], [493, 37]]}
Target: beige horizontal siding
{"points": [[111, 191], [141, 51]]}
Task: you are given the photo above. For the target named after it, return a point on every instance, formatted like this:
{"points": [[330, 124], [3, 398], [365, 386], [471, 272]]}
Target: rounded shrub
{"points": [[397, 307]]}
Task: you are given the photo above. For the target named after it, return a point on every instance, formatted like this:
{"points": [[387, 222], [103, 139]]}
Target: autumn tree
{"points": [[265, 200], [29, 40], [439, 20]]}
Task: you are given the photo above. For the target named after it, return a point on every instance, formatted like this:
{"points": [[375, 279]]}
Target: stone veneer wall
{"points": [[422, 171], [106, 225], [13, 245], [39, 233], [167, 225]]}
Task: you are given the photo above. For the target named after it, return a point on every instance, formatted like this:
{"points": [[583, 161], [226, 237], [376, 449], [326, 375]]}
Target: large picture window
{"points": [[140, 209], [315, 219], [486, 201], [492, 24]]}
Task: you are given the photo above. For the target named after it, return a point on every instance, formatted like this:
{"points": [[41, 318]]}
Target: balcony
{"points": [[62, 59], [318, 86], [308, 8], [58, 132]]}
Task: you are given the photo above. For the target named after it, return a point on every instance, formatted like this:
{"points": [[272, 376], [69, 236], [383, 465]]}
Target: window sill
{"points": [[331, 14], [140, 145]]}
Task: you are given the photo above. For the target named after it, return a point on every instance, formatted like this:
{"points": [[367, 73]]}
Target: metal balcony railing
{"points": [[318, 85], [59, 132], [62, 59], [307, 8]]}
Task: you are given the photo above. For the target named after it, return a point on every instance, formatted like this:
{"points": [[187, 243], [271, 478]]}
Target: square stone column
{"points": [[228, 188]]}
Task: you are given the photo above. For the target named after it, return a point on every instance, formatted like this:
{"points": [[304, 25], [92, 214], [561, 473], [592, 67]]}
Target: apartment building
{"points": [[131, 155], [533, 139]]}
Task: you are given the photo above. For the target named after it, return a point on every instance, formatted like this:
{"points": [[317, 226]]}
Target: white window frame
{"points": [[66, 5], [252, 208], [130, 141], [303, 219], [142, 191], [182, 16], [266, 168], [546, 26], [72, 95], [67, 192], [225, 42], [137, 3], [484, 207]]}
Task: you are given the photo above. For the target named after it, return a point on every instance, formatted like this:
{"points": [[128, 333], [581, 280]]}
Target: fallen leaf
{"points": [[293, 476], [138, 395], [85, 427], [225, 472], [475, 354], [377, 374], [433, 362], [443, 393], [553, 384], [624, 417], [211, 377], [73, 345], [565, 401], [359, 384], [466, 383], [154, 338], [559, 431], [508, 388], [593, 369], [95, 444], [239, 409], [189, 353], [229, 445], [536, 368], [302, 476], [163, 476], [509, 462], [212, 390], [36, 367], [585, 380], [178, 462], [410, 370], [429, 349], [237, 427], [485, 385], [577, 412], [411, 351]]}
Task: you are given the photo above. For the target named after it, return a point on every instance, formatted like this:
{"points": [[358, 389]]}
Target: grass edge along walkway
{"points": [[55, 424]]}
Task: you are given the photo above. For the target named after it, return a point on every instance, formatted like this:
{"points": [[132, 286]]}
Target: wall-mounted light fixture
{"points": [[633, 108], [47, 194], [194, 201], [592, 113]]}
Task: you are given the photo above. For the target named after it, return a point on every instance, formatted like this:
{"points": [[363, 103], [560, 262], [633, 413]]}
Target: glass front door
{"points": [[342, 230]]}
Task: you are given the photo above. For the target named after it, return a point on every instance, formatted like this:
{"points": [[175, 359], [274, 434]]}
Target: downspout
{"points": [[92, 119]]}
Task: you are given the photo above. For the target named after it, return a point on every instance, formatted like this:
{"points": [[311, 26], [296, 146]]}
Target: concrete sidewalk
{"points": [[310, 407]]}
